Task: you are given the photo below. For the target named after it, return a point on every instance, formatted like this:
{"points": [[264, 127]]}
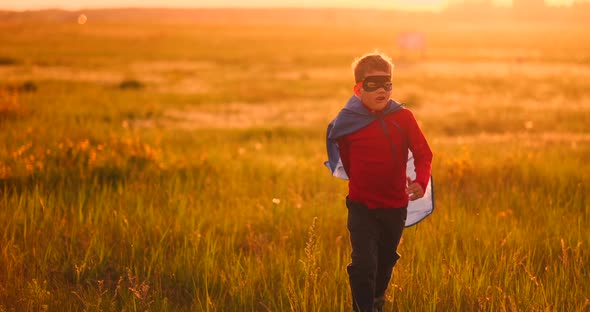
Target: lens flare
{"points": [[82, 19]]}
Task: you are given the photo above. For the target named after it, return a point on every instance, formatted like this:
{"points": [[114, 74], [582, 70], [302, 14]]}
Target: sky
{"points": [[416, 5]]}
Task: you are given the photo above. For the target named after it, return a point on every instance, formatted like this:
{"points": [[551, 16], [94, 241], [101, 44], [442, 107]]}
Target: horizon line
{"points": [[441, 7], [266, 7]]}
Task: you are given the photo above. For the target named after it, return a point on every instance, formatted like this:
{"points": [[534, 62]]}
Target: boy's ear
{"points": [[357, 90]]}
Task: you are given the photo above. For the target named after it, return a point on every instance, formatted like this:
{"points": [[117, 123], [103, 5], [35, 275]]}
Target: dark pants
{"points": [[374, 236]]}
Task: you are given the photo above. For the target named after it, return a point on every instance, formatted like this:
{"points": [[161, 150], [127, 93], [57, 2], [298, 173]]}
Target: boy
{"points": [[370, 138]]}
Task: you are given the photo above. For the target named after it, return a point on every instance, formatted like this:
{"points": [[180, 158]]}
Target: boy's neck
{"points": [[373, 111]]}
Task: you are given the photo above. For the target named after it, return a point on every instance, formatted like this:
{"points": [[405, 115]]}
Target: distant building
{"points": [[470, 4], [472, 8], [580, 3], [581, 8], [528, 5]]}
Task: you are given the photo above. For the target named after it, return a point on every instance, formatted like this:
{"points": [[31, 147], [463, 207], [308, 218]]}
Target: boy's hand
{"points": [[414, 189]]}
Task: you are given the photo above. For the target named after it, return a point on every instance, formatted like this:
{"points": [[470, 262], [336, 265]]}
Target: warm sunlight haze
{"points": [[419, 5]]}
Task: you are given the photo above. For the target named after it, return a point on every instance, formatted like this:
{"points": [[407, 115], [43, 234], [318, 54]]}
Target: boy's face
{"points": [[375, 90]]}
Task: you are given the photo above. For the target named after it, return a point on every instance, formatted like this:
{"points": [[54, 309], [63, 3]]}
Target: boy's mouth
{"points": [[380, 98]]}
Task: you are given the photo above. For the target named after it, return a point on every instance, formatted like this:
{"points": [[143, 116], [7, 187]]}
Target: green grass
{"points": [[205, 189]]}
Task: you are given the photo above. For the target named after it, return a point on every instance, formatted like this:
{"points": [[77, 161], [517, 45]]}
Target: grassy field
{"points": [[173, 161]]}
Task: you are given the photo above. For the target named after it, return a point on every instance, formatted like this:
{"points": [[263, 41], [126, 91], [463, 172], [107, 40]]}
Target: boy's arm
{"points": [[344, 156], [421, 151]]}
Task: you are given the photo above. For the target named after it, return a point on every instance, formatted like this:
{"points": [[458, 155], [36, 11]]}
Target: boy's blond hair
{"points": [[371, 61]]}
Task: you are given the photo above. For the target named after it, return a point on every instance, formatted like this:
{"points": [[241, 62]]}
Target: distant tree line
{"points": [[522, 9]]}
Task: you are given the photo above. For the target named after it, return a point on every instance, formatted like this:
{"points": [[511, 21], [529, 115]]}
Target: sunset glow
{"points": [[419, 5]]}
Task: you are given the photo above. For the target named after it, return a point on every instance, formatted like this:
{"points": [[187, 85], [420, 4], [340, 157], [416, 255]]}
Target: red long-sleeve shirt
{"points": [[375, 157]]}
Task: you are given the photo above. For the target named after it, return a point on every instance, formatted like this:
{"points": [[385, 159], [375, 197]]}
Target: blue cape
{"points": [[355, 116]]}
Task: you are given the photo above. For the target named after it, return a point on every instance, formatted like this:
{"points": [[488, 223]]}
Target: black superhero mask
{"points": [[372, 83]]}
